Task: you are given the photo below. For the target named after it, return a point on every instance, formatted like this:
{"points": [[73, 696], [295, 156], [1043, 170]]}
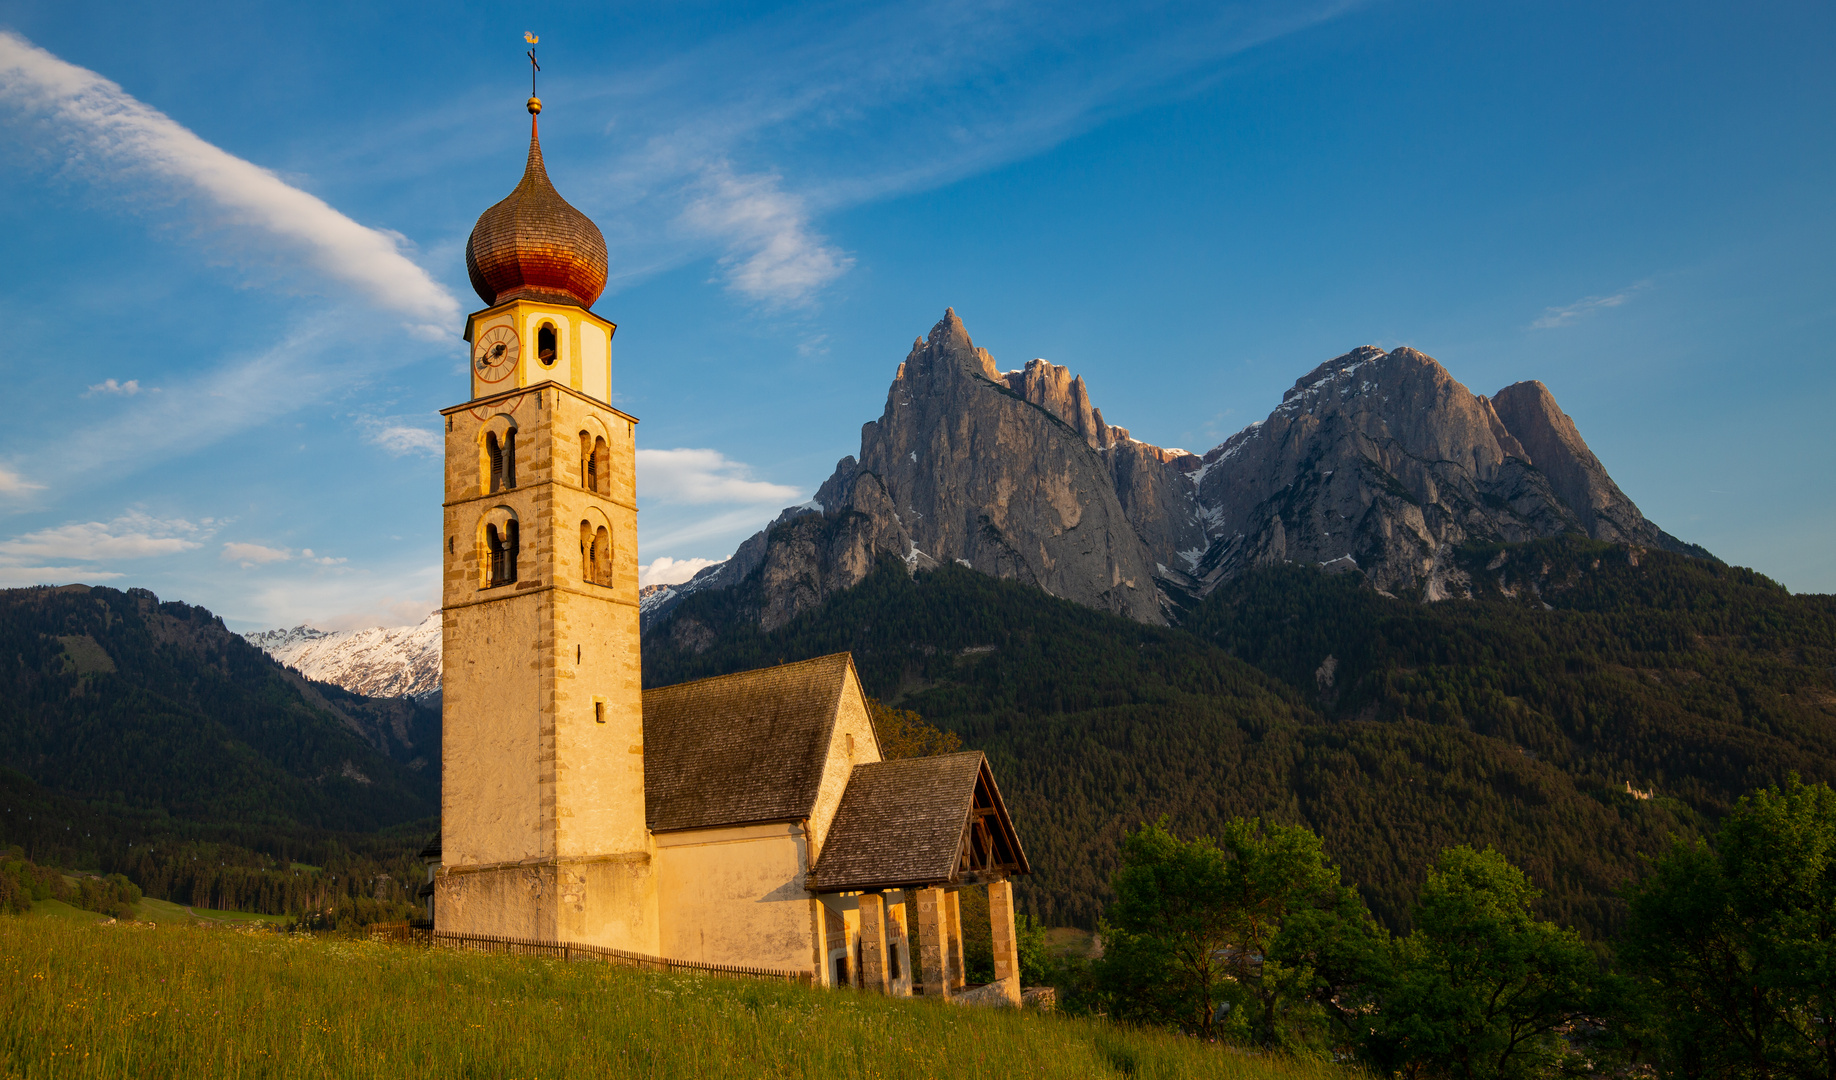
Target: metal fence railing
{"points": [[410, 934]]}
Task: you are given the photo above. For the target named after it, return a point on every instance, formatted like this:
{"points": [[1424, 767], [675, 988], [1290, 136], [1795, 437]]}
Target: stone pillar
{"points": [[900, 975], [873, 943], [954, 919], [1006, 943], [933, 942]]}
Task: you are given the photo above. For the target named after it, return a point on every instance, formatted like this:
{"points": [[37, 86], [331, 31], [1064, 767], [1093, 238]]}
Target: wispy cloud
{"points": [[110, 386], [13, 577], [773, 254], [691, 531], [1568, 313], [704, 476], [109, 135], [403, 439], [249, 555], [348, 600], [11, 483], [219, 402], [737, 146], [667, 571], [45, 556]]}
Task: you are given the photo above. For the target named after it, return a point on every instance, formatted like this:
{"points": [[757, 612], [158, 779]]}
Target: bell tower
{"points": [[542, 759]]}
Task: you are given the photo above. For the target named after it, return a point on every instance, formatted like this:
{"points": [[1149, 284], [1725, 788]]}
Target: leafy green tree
{"points": [[1034, 949], [1481, 987], [1248, 936], [1736, 944], [902, 733]]}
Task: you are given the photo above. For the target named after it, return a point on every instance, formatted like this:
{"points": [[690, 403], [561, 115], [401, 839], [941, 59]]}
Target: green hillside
{"points": [[187, 1003], [144, 738], [1495, 721], [115, 697]]}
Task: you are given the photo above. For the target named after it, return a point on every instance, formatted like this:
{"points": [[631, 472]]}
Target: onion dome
{"points": [[533, 245]]}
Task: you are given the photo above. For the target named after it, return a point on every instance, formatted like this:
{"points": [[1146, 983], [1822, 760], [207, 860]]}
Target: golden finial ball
{"points": [[535, 106]]}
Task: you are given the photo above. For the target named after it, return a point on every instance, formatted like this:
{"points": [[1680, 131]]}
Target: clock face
{"points": [[494, 355]]}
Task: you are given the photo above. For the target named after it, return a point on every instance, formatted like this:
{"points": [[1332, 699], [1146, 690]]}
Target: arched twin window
{"points": [[501, 545], [595, 554], [594, 464], [501, 461]]}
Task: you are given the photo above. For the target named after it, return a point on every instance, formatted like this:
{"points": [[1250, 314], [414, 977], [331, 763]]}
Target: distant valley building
{"points": [[741, 820]]}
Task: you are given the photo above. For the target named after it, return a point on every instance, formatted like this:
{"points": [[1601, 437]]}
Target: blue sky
{"points": [[234, 238]]}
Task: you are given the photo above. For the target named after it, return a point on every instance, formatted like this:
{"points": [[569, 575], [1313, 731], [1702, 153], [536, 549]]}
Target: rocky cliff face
{"points": [[1384, 463], [1376, 461], [1005, 473]]}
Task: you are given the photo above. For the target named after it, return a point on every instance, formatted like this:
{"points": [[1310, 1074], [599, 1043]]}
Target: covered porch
{"points": [[908, 836]]}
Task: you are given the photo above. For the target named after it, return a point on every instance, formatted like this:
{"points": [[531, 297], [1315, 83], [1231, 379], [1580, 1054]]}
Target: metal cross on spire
{"points": [[533, 66]]}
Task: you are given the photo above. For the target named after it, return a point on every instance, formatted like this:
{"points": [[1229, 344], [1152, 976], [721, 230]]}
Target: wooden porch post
{"points": [[932, 942], [1006, 942], [873, 942]]}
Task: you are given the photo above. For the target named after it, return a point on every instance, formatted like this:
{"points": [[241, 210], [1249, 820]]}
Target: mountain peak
{"points": [[1375, 460]]}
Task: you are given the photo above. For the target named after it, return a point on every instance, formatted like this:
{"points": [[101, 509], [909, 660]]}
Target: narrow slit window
{"points": [[599, 710]]}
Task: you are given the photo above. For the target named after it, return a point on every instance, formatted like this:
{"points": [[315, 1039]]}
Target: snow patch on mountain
{"points": [[396, 661]]}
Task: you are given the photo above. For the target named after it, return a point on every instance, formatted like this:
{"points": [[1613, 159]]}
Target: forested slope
{"points": [[1496, 721], [145, 738]]}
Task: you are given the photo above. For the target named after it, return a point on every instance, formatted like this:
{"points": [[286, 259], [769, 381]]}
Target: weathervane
{"points": [[535, 103]]}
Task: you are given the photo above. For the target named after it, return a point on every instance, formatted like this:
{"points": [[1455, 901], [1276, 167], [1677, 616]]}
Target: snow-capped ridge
{"points": [[400, 661]]}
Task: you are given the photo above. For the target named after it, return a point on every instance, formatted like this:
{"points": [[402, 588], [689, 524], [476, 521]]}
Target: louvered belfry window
{"points": [[503, 547]]}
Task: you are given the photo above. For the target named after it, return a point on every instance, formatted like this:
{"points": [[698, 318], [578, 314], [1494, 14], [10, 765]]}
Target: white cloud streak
{"points": [[112, 136], [133, 535], [110, 386], [772, 255], [248, 555], [736, 146], [702, 477], [404, 439], [11, 483], [664, 570], [1562, 316]]}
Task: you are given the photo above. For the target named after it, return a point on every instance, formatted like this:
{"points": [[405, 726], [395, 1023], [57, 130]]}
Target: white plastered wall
{"points": [[735, 896]]}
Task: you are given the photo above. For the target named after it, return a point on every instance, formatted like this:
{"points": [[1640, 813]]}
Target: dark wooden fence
{"points": [[408, 934]]}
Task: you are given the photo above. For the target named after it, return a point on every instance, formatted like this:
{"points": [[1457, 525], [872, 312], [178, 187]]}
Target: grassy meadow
{"points": [[83, 999]]}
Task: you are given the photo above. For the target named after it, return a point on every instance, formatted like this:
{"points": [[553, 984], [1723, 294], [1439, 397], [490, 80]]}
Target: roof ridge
{"points": [[753, 671], [922, 757]]}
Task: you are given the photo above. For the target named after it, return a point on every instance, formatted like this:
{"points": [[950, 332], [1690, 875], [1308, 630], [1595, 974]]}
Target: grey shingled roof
{"points": [[899, 823], [743, 748]]}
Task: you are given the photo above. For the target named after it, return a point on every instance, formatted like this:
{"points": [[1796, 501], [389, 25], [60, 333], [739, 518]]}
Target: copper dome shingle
{"points": [[534, 246]]}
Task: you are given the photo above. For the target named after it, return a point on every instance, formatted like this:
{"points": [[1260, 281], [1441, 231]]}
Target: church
{"points": [[747, 819]]}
